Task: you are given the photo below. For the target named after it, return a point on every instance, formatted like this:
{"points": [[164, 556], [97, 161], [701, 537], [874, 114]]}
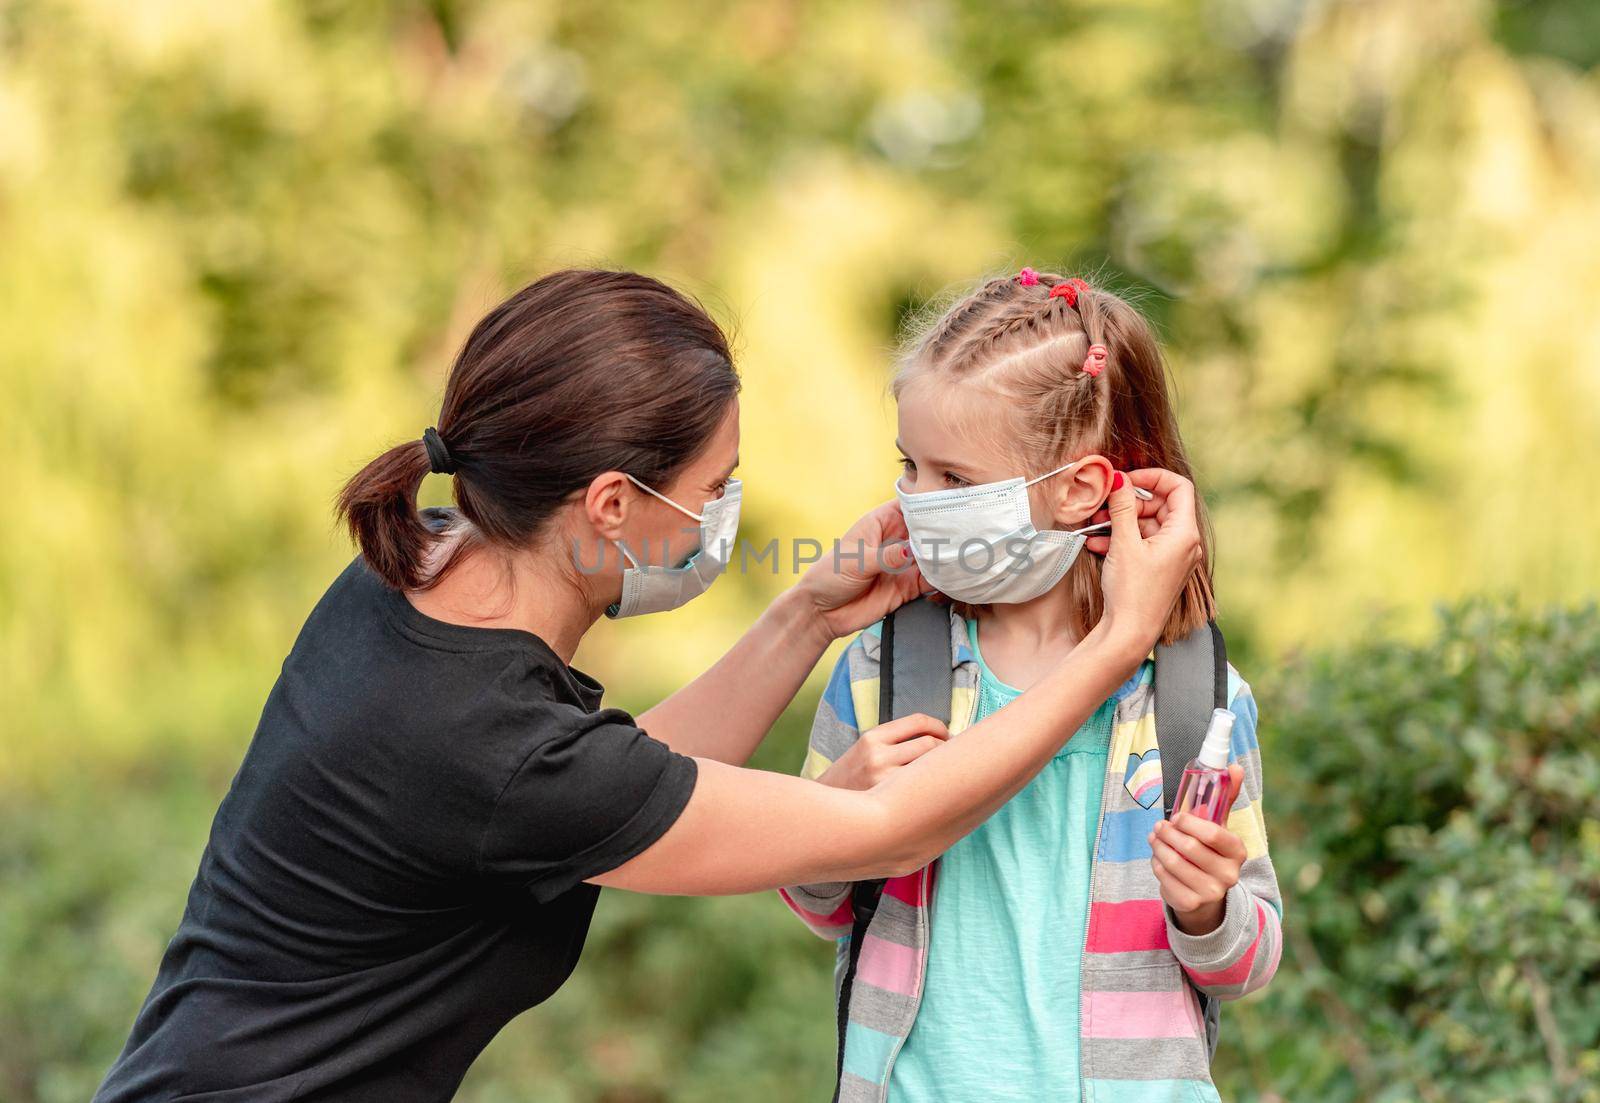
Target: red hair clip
{"points": [[1068, 290], [1027, 277], [1095, 362]]}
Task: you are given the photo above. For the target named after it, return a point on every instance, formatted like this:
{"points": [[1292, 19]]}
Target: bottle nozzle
{"points": [[1219, 736]]}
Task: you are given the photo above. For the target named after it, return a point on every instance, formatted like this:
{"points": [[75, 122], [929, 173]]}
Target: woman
{"points": [[413, 845]]}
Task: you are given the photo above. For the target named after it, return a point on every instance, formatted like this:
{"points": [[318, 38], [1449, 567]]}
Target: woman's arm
{"points": [[726, 712], [745, 830], [838, 754]]}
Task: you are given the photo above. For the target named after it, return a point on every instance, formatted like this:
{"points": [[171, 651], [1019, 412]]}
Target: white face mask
{"points": [[977, 543], [651, 589]]}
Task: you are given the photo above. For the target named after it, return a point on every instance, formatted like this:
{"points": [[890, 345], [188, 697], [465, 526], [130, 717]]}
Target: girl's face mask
{"points": [[651, 589], [977, 543]]}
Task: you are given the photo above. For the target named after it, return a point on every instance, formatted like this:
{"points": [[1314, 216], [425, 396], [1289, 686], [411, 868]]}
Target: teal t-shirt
{"points": [[999, 1013]]}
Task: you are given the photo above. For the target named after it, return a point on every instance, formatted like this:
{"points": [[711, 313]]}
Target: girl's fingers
{"points": [[1178, 895], [1198, 852], [1188, 874], [907, 752], [1235, 783], [1213, 835], [908, 727]]}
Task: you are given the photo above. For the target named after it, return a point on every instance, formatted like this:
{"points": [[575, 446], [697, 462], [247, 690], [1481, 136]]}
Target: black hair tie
{"points": [[439, 459]]}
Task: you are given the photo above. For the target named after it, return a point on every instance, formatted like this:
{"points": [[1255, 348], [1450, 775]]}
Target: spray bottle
{"points": [[1203, 791]]}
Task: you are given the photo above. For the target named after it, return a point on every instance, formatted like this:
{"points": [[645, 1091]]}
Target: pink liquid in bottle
{"points": [[1203, 790]]}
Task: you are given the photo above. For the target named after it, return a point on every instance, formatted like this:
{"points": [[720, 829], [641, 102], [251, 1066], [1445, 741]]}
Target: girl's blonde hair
{"points": [[1030, 339]]}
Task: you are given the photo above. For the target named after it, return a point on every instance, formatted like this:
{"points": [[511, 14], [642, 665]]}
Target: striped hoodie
{"points": [[1141, 1035]]}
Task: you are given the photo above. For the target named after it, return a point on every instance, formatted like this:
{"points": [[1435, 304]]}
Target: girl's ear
{"points": [[1081, 491]]}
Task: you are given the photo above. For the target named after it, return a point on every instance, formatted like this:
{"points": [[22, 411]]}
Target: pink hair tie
{"points": [[1095, 362], [1068, 290], [1027, 277]]}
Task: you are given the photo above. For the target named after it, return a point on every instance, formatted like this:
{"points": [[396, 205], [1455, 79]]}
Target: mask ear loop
{"points": [[1138, 491], [1047, 474], [1057, 471], [664, 498], [622, 545]]}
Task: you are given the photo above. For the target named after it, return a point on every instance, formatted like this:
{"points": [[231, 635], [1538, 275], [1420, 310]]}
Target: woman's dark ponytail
{"points": [[579, 373], [380, 507]]}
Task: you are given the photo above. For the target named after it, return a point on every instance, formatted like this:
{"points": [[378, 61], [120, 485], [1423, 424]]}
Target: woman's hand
{"points": [[1144, 572], [871, 573], [1197, 862], [1149, 523], [883, 749]]}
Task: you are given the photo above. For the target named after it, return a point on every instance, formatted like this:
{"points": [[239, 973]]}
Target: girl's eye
{"points": [[953, 480], [906, 466]]}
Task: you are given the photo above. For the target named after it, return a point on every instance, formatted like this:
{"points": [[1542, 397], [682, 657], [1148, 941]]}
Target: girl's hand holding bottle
{"points": [[1197, 862]]}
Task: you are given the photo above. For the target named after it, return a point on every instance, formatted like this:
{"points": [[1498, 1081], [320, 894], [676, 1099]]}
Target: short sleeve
{"points": [[584, 802]]}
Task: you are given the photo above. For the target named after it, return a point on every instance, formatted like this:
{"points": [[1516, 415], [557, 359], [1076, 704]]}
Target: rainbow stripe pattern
{"points": [[1141, 1036]]}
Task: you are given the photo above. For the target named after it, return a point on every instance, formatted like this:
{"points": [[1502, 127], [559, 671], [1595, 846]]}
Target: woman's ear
{"points": [[605, 504], [1081, 491]]}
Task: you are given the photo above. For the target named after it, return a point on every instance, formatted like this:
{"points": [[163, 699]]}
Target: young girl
{"points": [[1054, 953]]}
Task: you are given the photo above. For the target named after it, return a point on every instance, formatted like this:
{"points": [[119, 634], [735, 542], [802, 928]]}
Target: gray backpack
{"points": [[914, 676]]}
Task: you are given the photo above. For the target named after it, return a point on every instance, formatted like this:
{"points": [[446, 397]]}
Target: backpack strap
{"points": [[914, 672], [914, 675], [1191, 681]]}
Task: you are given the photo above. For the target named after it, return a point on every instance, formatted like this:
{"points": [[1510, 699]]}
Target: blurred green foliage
{"points": [[1435, 814], [239, 243]]}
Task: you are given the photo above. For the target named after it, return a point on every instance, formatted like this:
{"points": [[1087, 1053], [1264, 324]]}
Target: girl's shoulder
{"points": [[1242, 703], [1240, 696], [868, 644]]}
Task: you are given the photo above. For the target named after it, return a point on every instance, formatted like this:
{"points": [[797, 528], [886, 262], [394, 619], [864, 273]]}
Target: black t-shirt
{"points": [[397, 870]]}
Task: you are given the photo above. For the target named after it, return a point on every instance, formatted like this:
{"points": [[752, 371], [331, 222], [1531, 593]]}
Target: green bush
{"points": [[1434, 812]]}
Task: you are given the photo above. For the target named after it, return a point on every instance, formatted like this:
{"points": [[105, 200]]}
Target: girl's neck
{"points": [[1021, 642], [1046, 621], [488, 588]]}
